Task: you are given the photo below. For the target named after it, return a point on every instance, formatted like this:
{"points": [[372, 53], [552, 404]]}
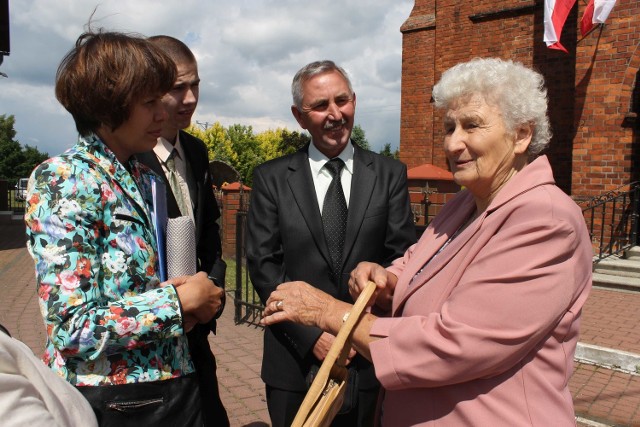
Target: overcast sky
{"points": [[247, 51]]}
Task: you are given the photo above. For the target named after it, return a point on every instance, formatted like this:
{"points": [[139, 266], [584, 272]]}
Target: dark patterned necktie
{"points": [[334, 215]]}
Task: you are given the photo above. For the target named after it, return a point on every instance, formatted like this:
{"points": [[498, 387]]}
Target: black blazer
{"points": [[286, 242], [206, 212]]}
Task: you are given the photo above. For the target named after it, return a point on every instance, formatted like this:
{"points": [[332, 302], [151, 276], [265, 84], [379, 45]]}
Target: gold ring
{"points": [[279, 305]]}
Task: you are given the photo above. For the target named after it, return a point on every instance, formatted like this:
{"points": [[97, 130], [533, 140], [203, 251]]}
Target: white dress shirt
{"points": [[322, 177], [163, 149]]}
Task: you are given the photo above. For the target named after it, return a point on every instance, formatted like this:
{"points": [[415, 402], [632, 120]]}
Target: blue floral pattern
{"points": [[90, 235]]}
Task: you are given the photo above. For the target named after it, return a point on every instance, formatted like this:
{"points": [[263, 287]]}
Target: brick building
{"points": [[594, 91]]}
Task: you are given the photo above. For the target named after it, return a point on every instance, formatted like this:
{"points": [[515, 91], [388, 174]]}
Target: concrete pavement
{"points": [[602, 396]]}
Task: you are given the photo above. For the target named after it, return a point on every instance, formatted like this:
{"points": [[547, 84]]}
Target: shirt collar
{"points": [[317, 159], [164, 148]]}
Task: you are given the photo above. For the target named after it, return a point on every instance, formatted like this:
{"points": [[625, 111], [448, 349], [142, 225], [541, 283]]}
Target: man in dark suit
{"points": [[182, 160], [289, 237]]}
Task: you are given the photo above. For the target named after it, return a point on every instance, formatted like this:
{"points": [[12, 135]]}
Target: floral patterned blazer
{"points": [[89, 231]]}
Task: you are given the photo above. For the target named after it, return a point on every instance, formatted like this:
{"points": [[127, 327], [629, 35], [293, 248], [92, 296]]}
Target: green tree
{"points": [[195, 131], [293, 141], [15, 161], [247, 147], [7, 133], [270, 142], [358, 136], [386, 151], [238, 146], [218, 145], [32, 158], [10, 152]]}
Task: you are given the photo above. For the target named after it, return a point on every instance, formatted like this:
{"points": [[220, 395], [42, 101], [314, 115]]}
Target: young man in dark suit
{"points": [[190, 193], [305, 225]]}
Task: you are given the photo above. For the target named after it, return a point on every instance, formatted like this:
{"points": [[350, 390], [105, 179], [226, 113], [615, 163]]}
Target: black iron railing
{"points": [[11, 200], [248, 307], [612, 220]]}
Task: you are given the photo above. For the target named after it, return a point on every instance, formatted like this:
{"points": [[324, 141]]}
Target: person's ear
{"points": [[298, 116], [524, 134]]}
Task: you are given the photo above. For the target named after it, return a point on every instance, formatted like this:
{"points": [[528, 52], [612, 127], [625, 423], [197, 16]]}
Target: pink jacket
{"points": [[485, 334]]}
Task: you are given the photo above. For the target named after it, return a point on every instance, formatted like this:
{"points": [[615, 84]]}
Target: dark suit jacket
{"points": [[286, 242], [206, 212], [208, 251]]}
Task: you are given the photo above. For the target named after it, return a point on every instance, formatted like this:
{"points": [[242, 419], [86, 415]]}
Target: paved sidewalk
{"points": [[238, 350], [604, 396], [610, 319]]}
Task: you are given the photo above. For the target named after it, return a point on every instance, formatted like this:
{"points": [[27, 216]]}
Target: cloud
{"points": [[247, 50]]}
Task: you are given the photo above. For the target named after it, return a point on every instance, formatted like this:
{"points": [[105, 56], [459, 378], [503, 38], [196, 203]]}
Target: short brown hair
{"points": [[177, 50], [105, 73]]}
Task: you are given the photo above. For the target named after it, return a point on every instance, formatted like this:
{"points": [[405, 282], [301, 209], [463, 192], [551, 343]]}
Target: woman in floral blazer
{"points": [[90, 235], [109, 320]]}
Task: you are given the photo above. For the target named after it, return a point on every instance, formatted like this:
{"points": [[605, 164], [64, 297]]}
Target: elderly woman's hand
{"points": [[299, 302], [385, 283]]}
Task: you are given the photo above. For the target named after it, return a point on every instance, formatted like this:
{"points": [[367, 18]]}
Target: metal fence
{"points": [[248, 307], [10, 199], [612, 220]]}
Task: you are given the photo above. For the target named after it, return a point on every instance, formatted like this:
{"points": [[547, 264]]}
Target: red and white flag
{"points": [[597, 12], [555, 15]]}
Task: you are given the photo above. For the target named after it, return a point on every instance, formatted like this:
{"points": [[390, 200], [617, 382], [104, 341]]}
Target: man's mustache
{"points": [[334, 124]]}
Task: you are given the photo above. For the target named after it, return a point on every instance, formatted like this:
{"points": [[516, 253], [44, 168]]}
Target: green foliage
{"points": [[32, 158], [279, 142], [293, 141], [358, 137], [16, 161], [269, 142], [243, 149], [386, 151], [7, 132], [245, 144], [218, 145]]}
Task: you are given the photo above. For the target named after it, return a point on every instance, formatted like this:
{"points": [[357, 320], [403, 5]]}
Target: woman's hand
{"points": [[200, 298], [300, 303], [188, 322], [385, 283]]}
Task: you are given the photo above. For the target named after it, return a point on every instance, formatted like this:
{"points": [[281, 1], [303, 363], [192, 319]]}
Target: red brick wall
{"points": [[234, 199], [591, 89], [607, 65], [416, 128]]}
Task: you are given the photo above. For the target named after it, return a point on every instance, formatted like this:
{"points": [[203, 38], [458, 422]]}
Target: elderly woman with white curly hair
{"points": [[477, 323]]}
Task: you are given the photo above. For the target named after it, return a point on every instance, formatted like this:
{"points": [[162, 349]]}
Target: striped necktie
{"points": [[175, 184]]}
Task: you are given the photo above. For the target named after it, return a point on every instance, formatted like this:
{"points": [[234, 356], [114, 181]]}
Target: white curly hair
{"points": [[518, 92]]}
